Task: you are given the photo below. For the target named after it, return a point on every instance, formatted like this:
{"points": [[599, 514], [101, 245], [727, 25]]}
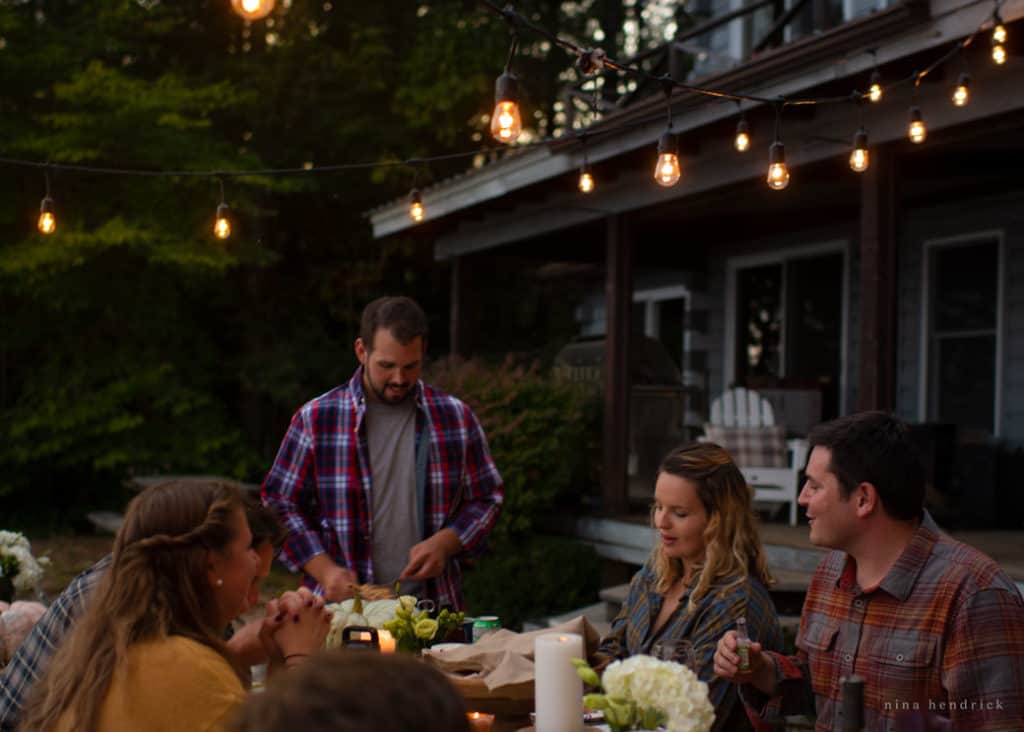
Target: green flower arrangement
{"points": [[415, 629]]}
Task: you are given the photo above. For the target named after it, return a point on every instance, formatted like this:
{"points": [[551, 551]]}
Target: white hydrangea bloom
{"points": [[669, 687], [30, 571]]}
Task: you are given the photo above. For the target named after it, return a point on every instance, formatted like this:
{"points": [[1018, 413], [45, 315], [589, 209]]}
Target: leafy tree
{"points": [[132, 341]]}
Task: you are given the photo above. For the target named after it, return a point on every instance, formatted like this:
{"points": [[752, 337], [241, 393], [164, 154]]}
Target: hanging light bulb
{"points": [[961, 93], [253, 9], [998, 52], [666, 172], [506, 122], [859, 157], [416, 211], [875, 90], [222, 226], [917, 131], [778, 173], [998, 29], [47, 223], [742, 135], [586, 182]]}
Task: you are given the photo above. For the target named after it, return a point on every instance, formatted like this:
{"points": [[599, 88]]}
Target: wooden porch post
{"points": [[618, 307], [876, 377], [454, 308]]}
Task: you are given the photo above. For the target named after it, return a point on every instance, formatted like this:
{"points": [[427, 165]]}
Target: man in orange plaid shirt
{"points": [[934, 627]]}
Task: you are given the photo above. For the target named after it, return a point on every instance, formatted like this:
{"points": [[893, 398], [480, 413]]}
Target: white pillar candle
{"points": [[558, 691]]}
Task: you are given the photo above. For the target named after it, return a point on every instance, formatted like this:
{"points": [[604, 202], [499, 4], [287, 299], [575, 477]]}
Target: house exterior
{"points": [[898, 288]]}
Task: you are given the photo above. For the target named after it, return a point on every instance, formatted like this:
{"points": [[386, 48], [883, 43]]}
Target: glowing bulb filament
{"points": [[960, 96], [999, 53], [253, 9], [667, 171], [859, 160], [47, 223], [506, 124], [586, 182], [999, 33], [917, 131], [875, 92], [222, 228], [778, 176], [416, 211], [742, 141]]}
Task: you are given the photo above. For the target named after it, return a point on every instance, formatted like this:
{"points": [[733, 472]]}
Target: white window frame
{"points": [[779, 256], [930, 245], [650, 298]]}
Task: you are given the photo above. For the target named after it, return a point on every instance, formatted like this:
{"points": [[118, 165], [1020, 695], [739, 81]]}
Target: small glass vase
{"points": [[6, 589]]}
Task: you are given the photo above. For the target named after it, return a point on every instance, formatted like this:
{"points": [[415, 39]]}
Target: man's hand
{"points": [[727, 665], [336, 581], [428, 558]]}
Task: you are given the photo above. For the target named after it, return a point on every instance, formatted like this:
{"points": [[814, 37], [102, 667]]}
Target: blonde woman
{"points": [[707, 570], [149, 653]]}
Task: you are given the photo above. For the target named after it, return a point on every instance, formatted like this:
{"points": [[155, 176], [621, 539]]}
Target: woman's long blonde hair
{"points": [[732, 546], [156, 587]]}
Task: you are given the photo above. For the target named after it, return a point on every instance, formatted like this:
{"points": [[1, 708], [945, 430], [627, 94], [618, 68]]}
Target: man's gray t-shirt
{"points": [[391, 434]]}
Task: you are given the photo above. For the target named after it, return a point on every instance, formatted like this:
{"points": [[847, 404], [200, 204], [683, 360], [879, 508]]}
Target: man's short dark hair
{"points": [[263, 523], [876, 448], [401, 316]]}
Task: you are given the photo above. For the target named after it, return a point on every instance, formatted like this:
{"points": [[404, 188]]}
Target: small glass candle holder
{"points": [[479, 721]]}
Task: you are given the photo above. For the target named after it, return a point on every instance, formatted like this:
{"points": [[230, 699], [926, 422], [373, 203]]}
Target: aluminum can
{"points": [[485, 624]]}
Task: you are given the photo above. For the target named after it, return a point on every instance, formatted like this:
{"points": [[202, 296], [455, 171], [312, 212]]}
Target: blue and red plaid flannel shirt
{"points": [[941, 634], [631, 633], [321, 488]]}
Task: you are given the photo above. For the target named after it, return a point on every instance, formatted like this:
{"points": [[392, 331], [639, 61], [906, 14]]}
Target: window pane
{"points": [[965, 379], [964, 284], [760, 323], [671, 321], [814, 326]]}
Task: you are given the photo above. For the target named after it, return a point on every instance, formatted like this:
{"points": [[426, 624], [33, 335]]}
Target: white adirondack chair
{"points": [[742, 408]]}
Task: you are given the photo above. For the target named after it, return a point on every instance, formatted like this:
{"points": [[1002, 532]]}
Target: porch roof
{"points": [[791, 70]]}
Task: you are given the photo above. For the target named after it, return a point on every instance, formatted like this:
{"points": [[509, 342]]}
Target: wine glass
{"points": [[680, 651]]}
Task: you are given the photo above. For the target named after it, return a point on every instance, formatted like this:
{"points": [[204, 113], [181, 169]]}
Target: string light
{"points": [[416, 210], [998, 52], [222, 225], [859, 156], [742, 142], [253, 9], [961, 93], [778, 173], [998, 29], [875, 90], [47, 222], [666, 171], [586, 180], [506, 121], [916, 131]]}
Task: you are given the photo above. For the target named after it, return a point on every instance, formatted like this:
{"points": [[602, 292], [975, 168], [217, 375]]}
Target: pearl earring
{"points": [[220, 582]]}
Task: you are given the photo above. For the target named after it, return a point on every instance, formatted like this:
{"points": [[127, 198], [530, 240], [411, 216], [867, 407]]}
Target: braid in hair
{"points": [[156, 587]]}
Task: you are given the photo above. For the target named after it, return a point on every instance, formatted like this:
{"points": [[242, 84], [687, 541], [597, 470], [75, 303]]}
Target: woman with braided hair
{"points": [[149, 653]]}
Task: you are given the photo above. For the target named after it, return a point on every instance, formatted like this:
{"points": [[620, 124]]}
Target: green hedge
{"points": [[544, 434]]}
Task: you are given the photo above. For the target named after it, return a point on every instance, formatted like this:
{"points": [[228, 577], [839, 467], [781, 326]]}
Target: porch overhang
{"points": [[920, 26]]}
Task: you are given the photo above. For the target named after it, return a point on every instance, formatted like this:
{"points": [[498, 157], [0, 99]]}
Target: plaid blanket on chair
{"points": [[752, 447]]}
